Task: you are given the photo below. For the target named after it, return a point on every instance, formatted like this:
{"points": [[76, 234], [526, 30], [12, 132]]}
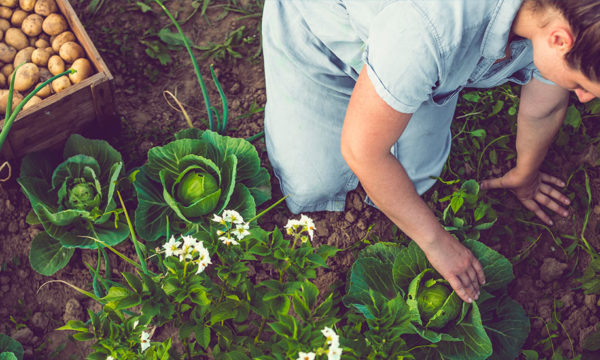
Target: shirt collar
{"points": [[496, 34]]}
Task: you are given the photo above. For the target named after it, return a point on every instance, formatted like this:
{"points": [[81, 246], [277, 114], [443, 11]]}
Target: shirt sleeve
{"points": [[403, 57]]}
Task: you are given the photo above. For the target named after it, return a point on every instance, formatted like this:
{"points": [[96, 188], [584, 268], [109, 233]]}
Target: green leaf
{"points": [[472, 97], [10, 345], [8, 356], [530, 354], [202, 335], [497, 269], [476, 344], [369, 274], [143, 6], [47, 255], [223, 311], [134, 281], [497, 107], [170, 37], [480, 211], [152, 210], [507, 325], [457, 201], [493, 157], [301, 308], [310, 293], [409, 263], [479, 133], [105, 155], [573, 117]]}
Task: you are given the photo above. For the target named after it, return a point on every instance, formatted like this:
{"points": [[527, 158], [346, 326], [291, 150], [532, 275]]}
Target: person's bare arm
{"points": [[541, 113], [370, 129]]}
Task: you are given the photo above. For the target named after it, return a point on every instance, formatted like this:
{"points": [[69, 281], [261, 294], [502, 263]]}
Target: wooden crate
{"points": [[80, 106]]}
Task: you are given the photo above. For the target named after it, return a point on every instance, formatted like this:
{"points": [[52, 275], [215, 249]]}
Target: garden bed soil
{"points": [[31, 308]]}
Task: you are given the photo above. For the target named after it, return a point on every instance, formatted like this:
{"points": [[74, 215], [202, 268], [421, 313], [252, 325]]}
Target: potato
{"points": [[7, 53], [40, 56], [33, 101], [62, 38], [9, 3], [41, 44], [7, 70], [32, 25], [5, 12], [83, 68], [17, 97], [70, 51], [26, 76], [17, 17], [23, 56], [3, 81], [56, 64], [45, 91], [61, 84], [45, 7], [54, 24], [4, 24], [27, 5], [15, 38]]}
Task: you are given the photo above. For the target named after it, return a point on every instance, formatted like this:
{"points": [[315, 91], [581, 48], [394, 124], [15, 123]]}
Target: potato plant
{"points": [[34, 33]]}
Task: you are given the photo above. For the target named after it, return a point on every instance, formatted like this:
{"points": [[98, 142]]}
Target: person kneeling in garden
{"points": [[366, 90]]}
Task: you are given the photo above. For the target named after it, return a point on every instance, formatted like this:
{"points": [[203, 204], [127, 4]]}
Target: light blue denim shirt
{"points": [[418, 54], [420, 50]]}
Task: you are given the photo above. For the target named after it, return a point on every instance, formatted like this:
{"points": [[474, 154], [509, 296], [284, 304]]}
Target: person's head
{"points": [[567, 47]]}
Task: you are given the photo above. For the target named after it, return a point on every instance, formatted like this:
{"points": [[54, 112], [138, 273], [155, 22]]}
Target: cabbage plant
{"points": [[72, 196], [411, 309], [199, 174]]}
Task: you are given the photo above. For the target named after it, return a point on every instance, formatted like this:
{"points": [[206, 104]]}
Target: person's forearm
{"points": [[534, 136], [389, 187]]}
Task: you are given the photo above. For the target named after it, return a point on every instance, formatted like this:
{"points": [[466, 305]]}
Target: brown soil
{"points": [[31, 311]]}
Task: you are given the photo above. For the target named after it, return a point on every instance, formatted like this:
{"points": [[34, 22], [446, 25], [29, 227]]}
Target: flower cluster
{"points": [[303, 225], [189, 249], [334, 352], [229, 233]]}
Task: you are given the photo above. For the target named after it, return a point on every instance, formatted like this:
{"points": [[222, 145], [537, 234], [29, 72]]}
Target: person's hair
{"points": [[584, 18]]}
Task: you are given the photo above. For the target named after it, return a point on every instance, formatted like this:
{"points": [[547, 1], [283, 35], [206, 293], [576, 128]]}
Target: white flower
{"points": [[306, 356], [228, 241], [110, 358], [232, 216], [241, 230], [217, 218], [203, 260], [135, 323], [292, 226], [189, 241], [332, 338], [308, 225], [145, 341], [171, 247], [199, 247], [220, 232], [334, 353]]}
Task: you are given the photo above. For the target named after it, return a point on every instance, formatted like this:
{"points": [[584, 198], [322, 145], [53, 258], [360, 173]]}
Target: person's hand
{"points": [[533, 191], [456, 264]]}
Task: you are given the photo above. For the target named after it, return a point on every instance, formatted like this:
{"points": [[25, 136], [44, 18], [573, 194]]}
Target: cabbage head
{"points": [[199, 174], [72, 196], [411, 309]]}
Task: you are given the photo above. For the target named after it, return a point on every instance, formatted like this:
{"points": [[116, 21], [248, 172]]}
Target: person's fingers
{"points": [[545, 196], [474, 280], [554, 193], [459, 288], [551, 179], [533, 206], [479, 270], [470, 287], [495, 183]]}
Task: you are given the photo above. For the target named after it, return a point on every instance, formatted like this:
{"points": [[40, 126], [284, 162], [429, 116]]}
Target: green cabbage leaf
{"points": [[199, 174]]}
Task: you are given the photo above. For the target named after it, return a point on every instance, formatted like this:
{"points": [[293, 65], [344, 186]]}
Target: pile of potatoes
{"points": [[35, 33]]}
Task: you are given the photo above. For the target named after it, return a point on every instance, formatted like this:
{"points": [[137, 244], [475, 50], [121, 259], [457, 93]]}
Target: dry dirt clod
{"points": [[23, 335], [552, 269], [590, 302], [39, 321], [72, 310]]}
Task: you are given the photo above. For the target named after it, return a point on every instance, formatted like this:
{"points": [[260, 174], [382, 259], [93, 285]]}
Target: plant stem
{"points": [[138, 251], [260, 330], [186, 43]]}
